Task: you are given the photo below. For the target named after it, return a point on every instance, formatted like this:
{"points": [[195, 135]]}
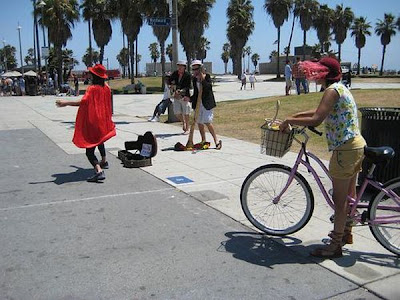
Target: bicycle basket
{"points": [[273, 141]]}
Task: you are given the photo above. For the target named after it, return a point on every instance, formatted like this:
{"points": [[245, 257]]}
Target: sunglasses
{"points": [[195, 69]]}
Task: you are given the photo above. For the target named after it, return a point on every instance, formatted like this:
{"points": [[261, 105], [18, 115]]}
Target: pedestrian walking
{"points": [[93, 125], [205, 115], [252, 80], [339, 111], [76, 84], [288, 77], [243, 79], [299, 77]]}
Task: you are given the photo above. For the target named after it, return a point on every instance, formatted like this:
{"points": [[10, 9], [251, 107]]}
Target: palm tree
{"points": [[342, 20], [305, 10], [322, 23], [169, 51], [154, 54], [255, 58], [123, 60], [59, 16], [279, 12], [154, 9], [386, 28], [273, 54], [91, 57], [225, 55], [193, 19], [130, 15], [87, 7], [30, 58], [240, 27], [102, 13], [247, 51], [360, 29], [204, 45]]}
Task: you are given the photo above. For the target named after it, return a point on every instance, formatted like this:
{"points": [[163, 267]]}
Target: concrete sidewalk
{"points": [[214, 177]]}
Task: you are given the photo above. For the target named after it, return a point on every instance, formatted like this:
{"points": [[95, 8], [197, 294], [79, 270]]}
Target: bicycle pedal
{"points": [[332, 218], [364, 217]]}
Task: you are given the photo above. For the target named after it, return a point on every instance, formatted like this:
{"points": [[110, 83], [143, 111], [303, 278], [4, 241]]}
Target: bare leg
{"points": [[202, 132], [218, 144], [340, 192], [185, 122]]}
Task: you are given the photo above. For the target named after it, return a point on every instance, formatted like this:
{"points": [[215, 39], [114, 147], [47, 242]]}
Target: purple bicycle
{"points": [[279, 201]]}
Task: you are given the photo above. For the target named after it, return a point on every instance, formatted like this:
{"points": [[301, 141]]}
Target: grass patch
{"points": [[242, 119]]}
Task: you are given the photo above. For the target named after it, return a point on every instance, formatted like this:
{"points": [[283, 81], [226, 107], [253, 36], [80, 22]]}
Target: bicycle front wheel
{"points": [[384, 215], [290, 213]]}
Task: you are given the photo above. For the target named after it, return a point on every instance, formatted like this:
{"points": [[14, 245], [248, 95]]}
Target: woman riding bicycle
{"points": [[339, 110]]}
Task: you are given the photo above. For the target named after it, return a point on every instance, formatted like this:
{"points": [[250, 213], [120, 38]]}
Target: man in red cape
{"points": [[94, 125]]}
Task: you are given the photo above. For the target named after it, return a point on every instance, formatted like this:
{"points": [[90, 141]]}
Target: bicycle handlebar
{"points": [[314, 130]]}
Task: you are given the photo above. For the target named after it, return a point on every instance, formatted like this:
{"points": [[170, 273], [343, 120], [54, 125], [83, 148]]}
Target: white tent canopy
{"points": [[30, 73], [11, 74]]}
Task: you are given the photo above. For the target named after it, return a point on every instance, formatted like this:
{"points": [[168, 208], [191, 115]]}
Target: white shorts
{"points": [[181, 107], [205, 116]]}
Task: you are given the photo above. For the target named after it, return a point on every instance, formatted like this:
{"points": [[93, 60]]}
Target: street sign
{"points": [[159, 21], [45, 52]]}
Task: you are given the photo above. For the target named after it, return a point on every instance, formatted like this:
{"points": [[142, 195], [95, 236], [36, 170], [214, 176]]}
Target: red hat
{"points": [[99, 70], [327, 68]]}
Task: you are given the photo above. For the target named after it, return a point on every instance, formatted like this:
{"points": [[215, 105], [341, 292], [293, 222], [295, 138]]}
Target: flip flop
{"points": [[218, 146]]}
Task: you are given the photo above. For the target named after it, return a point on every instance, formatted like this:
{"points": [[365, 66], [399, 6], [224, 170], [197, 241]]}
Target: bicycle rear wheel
{"points": [[382, 206], [294, 208]]}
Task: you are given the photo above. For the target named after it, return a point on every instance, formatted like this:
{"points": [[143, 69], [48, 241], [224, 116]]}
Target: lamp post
{"points": [[45, 51], [39, 62], [20, 48], [5, 54], [173, 11]]}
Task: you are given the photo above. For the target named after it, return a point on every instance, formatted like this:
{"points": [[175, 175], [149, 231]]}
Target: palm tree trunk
{"points": [[132, 62], [162, 49], [358, 61], [383, 59], [129, 60], [226, 68], [304, 44], [136, 61], [123, 47], [278, 74], [90, 44], [101, 54], [59, 63], [340, 52], [290, 38]]}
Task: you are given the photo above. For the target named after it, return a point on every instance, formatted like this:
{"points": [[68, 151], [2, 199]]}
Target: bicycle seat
{"points": [[379, 154]]}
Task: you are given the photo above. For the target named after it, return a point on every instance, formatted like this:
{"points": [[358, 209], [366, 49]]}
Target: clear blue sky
{"points": [[261, 41]]}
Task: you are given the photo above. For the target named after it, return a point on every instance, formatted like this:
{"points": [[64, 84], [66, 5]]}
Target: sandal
{"points": [[218, 146], [332, 250], [347, 237]]}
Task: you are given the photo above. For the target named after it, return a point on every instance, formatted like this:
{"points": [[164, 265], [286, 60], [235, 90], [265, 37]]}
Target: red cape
{"points": [[93, 125]]}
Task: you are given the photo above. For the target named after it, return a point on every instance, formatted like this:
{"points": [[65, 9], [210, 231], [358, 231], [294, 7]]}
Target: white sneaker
{"points": [[156, 119], [150, 119]]}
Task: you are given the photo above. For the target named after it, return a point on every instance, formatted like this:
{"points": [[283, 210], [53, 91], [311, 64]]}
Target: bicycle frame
{"points": [[303, 159]]}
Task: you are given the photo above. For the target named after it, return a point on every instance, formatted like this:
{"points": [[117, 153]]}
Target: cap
{"points": [[181, 63]]}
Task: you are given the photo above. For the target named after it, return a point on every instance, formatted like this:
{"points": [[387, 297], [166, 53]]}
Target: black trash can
{"points": [[380, 126]]}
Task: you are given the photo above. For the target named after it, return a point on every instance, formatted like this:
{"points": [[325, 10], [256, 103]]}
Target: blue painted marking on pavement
{"points": [[179, 179]]}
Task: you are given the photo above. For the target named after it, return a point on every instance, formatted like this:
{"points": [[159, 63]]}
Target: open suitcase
{"points": [[146, 148]]}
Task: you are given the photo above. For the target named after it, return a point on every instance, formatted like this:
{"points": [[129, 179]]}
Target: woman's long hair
{"points": [[96, 80]]}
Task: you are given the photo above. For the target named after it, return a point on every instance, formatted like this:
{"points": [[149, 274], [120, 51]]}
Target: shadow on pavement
{"points": [[80, 174], [258, 249]]}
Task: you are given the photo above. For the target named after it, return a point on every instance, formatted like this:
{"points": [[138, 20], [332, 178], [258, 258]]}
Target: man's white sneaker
{"points": [[156, 119], [150, 119]]}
